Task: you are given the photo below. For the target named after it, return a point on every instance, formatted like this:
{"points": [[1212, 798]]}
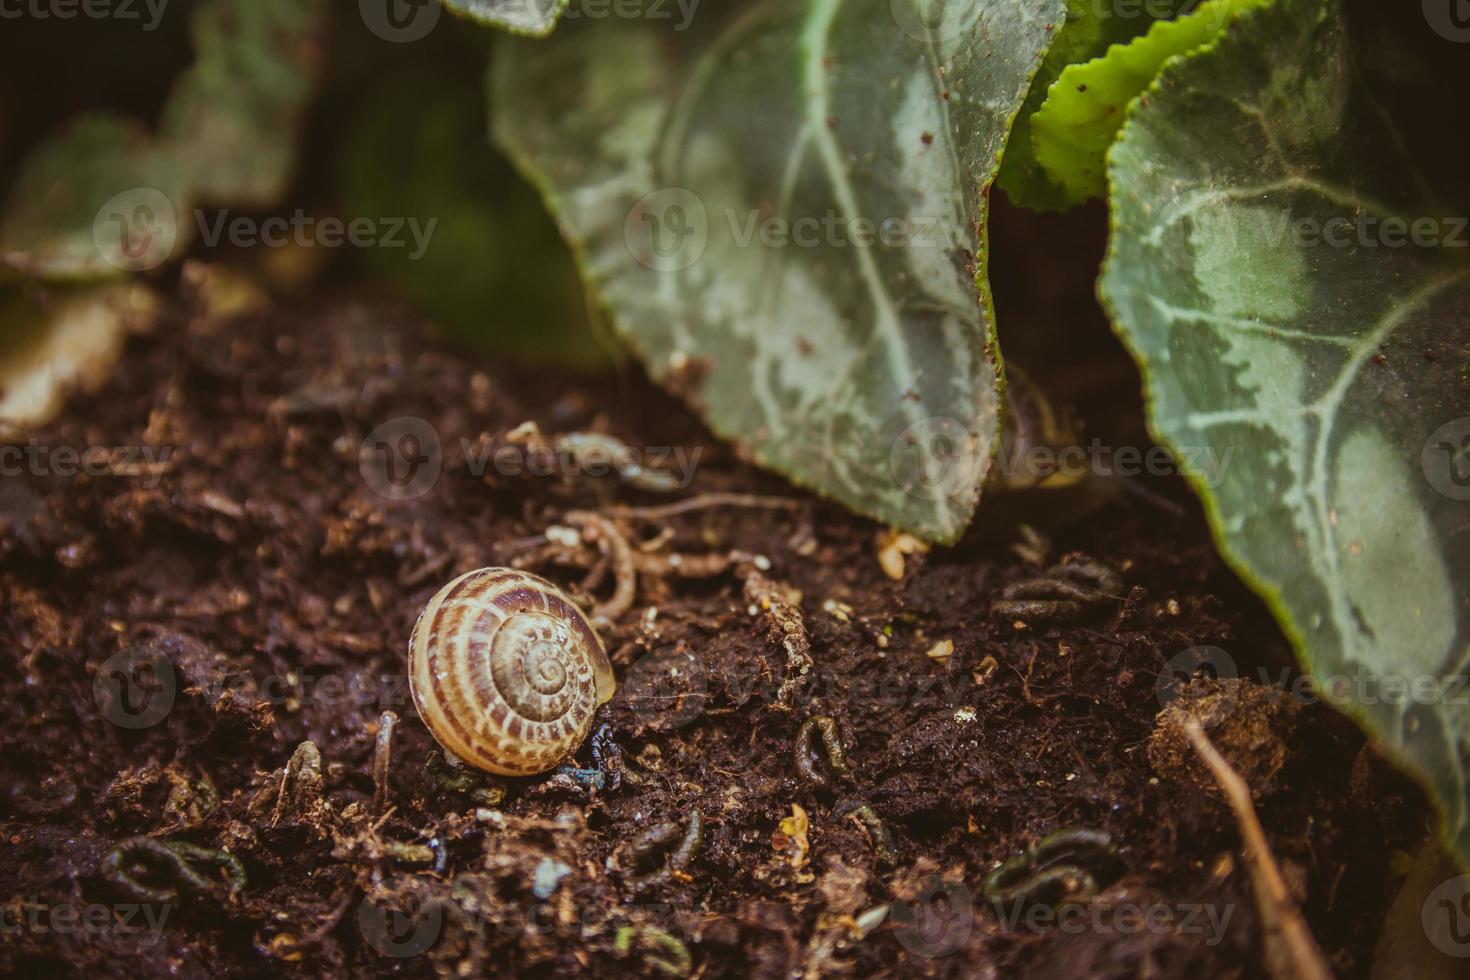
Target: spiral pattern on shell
{"points": [[507, 672]]}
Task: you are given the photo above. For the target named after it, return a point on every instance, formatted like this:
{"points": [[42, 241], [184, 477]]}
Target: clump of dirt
{"points": [[212, 766], [1250, 724]]}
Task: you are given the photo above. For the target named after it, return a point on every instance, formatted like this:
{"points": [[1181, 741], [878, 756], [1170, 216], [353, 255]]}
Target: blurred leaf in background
{"points": [[233, 114], [495, 272], [58, 223], [106, 196]]}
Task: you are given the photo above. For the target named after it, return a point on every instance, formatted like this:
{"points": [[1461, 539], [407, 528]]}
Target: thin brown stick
{"points": [[1291, 951], [383, 759], [707, 500]]}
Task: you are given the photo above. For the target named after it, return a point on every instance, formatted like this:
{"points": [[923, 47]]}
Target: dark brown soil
{"points": [[274, 590]]}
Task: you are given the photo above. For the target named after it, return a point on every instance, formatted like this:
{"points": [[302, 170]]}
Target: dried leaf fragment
{"points": [[941, 651], [893, 548], [790, 839]]}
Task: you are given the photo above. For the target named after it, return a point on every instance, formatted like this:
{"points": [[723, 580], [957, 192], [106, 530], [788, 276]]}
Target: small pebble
{"points": [[549, 874]]}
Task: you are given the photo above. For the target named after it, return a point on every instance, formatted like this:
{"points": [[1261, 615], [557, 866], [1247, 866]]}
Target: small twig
{"points": [[1026, 680], [1290, 950], [382, 759], [612, 543], [706, 500]]}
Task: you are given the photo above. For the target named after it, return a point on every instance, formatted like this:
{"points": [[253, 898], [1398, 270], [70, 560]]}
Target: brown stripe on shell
{"points": [[445, 629]]}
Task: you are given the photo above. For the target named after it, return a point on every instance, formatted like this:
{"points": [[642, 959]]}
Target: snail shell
{"points": [[507, 672]]}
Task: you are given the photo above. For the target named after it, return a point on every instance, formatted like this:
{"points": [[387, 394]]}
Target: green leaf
{"points": [[534, 18], [1083, 111], [1310, 374], [1089, 30], [852, 352], [233, 114], [74, 209], [105, 196]]}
